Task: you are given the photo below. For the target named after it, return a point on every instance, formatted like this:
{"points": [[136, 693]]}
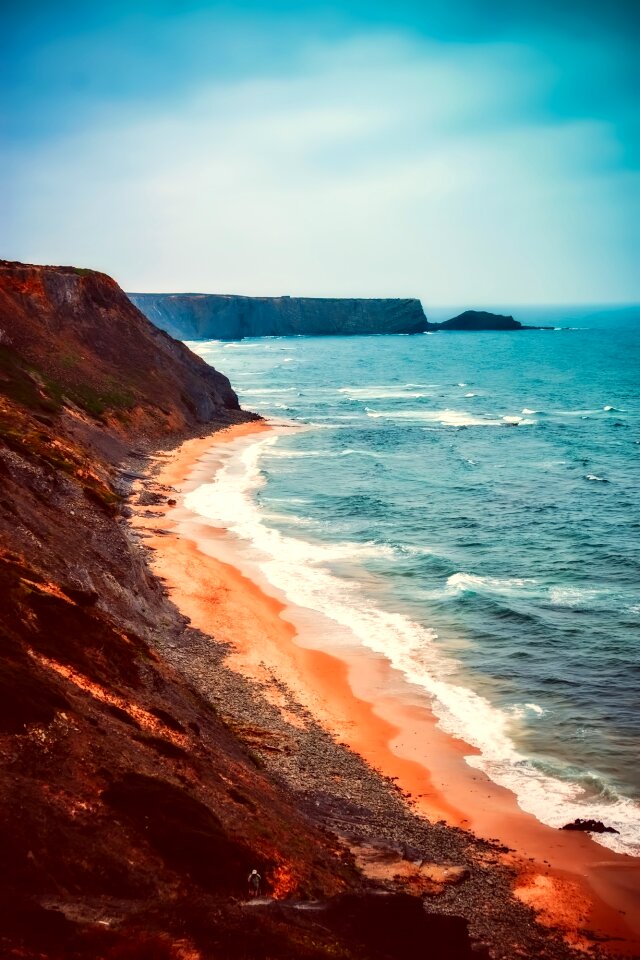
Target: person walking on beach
{"points": [[254, 880]]}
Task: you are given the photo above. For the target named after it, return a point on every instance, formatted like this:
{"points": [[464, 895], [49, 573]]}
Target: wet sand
{"points": [[574, 883]]}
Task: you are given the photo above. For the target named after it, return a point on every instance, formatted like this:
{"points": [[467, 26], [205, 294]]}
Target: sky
{"points": [[479, 153]]}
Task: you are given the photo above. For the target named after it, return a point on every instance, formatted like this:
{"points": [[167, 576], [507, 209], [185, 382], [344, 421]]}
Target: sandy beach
{"points": [[573, 883]]}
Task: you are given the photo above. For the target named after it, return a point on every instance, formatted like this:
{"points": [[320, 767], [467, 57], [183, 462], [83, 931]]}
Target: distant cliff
{"points": [[201, 316]]}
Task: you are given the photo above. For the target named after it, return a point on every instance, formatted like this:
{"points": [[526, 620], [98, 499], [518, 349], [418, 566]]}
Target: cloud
{"points": [[378, 166]]}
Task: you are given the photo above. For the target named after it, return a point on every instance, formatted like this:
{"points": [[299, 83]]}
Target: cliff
{"points": [[127, 806], [202, 316], [92, 348]]}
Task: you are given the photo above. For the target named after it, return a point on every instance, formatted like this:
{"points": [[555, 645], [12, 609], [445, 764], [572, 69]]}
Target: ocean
{"points": [[468, 505]]}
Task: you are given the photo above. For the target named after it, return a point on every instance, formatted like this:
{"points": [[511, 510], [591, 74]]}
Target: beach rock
{"points": [[385, 864], [148, 498], [451, 876], [202, 316], [589, 826]]}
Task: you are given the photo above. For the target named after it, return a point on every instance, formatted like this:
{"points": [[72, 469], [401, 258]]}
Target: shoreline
{"points": [[571, 881]]}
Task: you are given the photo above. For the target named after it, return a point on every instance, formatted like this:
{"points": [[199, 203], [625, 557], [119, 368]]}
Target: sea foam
{"points": [[381, 393], [448, 418], [463, 582]]}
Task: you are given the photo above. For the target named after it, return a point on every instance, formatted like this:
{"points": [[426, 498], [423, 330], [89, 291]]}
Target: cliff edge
{"points": [[203, 316], [93, 350]]}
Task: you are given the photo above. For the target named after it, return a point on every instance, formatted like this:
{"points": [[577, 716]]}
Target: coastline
{"points": [[574, 883]]}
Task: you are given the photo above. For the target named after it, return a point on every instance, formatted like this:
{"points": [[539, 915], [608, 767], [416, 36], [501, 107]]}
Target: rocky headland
{"points": [[203, 316], [141, 777], [210, 316]]}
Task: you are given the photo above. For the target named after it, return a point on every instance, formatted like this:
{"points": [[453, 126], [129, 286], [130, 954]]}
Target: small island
{"points": [[482, 320]]}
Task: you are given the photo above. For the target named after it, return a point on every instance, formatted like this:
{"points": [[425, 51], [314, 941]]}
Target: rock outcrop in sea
{"points": [[481, 320], [203, 316]]}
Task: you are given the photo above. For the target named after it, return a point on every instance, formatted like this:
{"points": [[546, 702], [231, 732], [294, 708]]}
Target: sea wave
{"points": [[576, 413], [381, 393], [298, 454], [258, 392], [289, 518], [416, 551], [521, 710], [332, 419], [579, 598], [467, 582], [528, 588], [371, 454], [302, 570], [448, 418]]}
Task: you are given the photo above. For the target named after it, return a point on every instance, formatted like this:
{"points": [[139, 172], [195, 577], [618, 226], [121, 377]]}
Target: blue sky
{"points": [[479, 153]]}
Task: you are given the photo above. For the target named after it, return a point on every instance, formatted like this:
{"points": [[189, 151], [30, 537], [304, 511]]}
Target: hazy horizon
{"points": [[493, 305], [465, 152]]}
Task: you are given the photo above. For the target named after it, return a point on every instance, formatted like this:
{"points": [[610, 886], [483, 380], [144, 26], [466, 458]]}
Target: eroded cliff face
{"points": [[95, 352], [198, 316], [129, 813]]}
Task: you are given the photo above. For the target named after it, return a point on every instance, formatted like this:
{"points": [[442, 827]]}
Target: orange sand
{"points": [[572, 881]]}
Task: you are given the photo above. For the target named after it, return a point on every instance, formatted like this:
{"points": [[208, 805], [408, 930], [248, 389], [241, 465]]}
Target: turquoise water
{"points": [[469, 505]]}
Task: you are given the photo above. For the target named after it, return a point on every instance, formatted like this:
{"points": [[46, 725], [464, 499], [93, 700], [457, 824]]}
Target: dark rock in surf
{"points": [[589, 826]]}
